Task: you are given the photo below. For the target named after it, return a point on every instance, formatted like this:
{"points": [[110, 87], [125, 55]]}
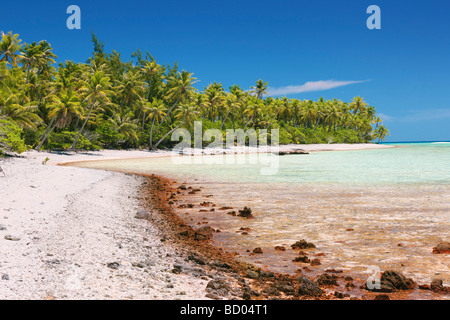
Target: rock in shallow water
{"points": [[303, 244], [252, 274], [203, 233], [391, 281], [437, 285], [245, 213], [326, 280], [443, 247], [308, 288]]}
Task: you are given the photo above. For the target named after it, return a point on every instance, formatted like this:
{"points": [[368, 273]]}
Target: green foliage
{"points": [[109, 138], [31, 137], [285, 137], [65, 139], [109, 103], [10, 137]]}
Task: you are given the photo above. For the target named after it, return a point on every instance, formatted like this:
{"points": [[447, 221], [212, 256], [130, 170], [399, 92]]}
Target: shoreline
{"points": [[136, 154], [229, 277]]}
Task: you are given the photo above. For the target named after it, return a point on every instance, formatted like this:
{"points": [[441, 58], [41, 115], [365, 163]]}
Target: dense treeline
{"points": [[109, 103]]}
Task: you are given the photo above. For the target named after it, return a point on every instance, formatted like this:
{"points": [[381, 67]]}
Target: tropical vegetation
{"points": [[107, 102]]}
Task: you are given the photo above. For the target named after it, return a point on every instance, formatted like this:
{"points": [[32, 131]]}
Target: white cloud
{"points": [[311, 86], [428, 114], [431, 114], [385, 117]]}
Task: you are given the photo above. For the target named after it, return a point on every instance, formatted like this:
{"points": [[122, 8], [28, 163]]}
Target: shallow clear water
{"points": [[396, 201]]}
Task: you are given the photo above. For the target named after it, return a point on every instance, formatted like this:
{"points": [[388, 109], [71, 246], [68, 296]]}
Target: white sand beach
{"points": [[69, 224]]}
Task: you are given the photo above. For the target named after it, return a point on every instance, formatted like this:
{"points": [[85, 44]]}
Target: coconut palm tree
{"points": [[96, 89], [186, 114], [253, 112], [10, 48], [381, 133], [62, 111], [156, 114], [260, 90], [358, 105], [150, 71], [124, 124], [275, 108], [309, 115], [130, 88], [214, 100], [231, 105], [181, 88], [333, 114]]}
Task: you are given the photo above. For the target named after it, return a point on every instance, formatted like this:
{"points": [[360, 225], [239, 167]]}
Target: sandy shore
{"points": [[66, 225], [71, 233]]}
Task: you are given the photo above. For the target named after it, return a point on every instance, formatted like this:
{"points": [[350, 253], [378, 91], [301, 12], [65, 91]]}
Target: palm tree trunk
{"points": [[234, 120], [317, 124], [149, 89], [82, 127], [151, 135], [161, 140], [223, 122], [168, 113], [45, 138], [247, 123], [143, 124], [270, 124]]}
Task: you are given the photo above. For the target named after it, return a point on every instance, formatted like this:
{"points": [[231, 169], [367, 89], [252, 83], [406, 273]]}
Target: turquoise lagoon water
{"points": [[395, 201]]}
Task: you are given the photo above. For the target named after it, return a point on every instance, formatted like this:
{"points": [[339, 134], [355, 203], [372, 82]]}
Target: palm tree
{"points": [[295, 110], [130, 88], [357, 105], [377, 122], [62, 110], [381, 133], [334, 113], [38, 57], [231, 105], [24, 114], [275, 108], [125, 125], [31, 54], [156, 114], [180, 89], [285, 109], [253, 112], [260, 89], [186, 114], [214, 100], [68, 77], [10, 48], [150, 70], [309, 115], [97, 89]]}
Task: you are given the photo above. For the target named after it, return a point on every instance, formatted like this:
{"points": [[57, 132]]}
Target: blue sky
{"points": [[296, 46]]}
